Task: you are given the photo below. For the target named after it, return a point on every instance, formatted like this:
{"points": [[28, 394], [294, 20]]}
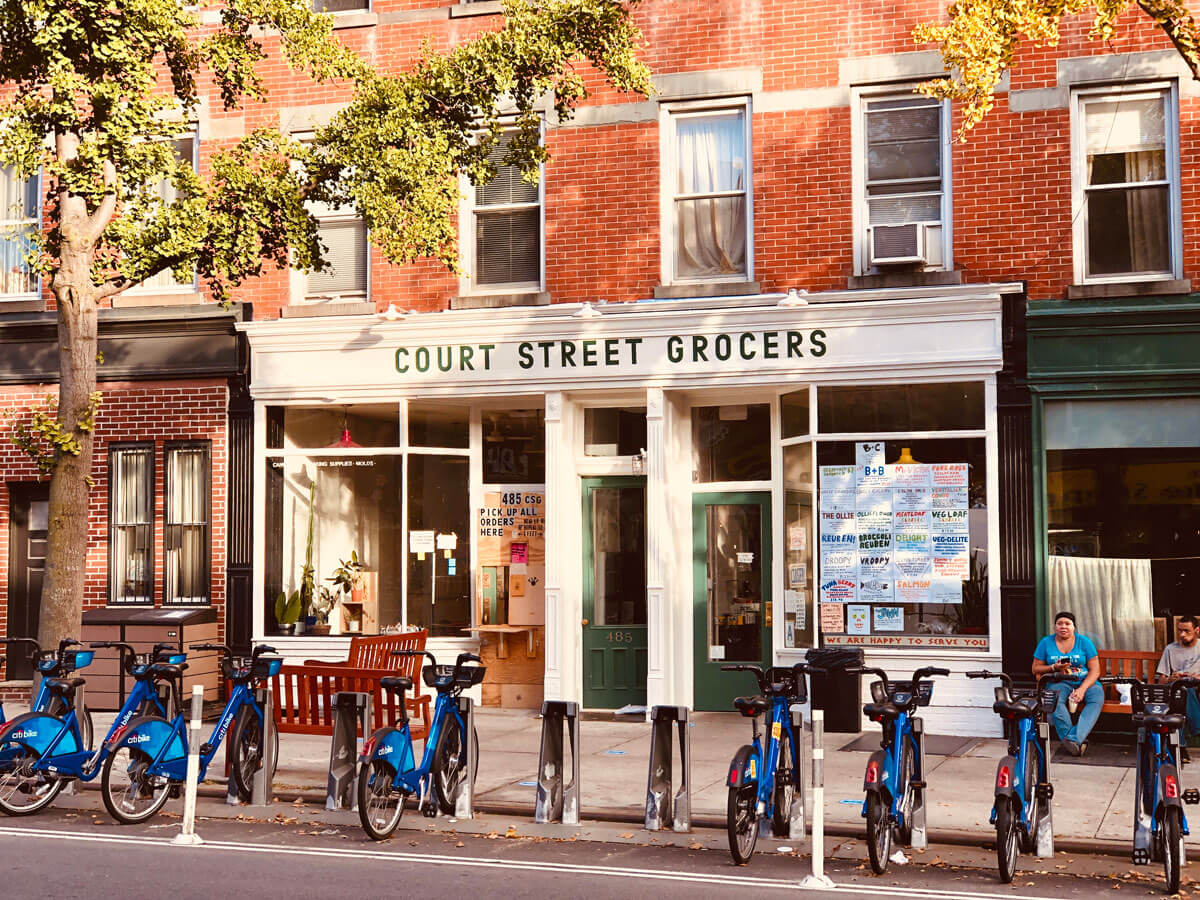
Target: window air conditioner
{"points": [[897, 244]]}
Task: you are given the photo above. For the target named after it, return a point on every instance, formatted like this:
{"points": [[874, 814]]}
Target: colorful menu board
{"points": [[893, 533]]}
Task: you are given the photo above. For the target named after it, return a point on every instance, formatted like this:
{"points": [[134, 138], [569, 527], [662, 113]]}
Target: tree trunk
{"points": [[66, 555]]}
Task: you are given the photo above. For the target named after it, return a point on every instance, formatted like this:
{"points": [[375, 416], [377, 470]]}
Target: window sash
{"points": [[131, 516], [164, 282], [186, 532], [482, 207]]}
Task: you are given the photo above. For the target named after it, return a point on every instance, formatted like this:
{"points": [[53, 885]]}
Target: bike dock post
{"points": [[262, 787], [464, 803], [818, 879], [796, 813], [557, 801], [919, 839], [664, 809], [187, 836], [1043, 835], [351, 719]]}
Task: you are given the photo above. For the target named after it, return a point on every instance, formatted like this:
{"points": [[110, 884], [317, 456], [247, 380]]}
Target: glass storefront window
{"points": [[312, 428], [869, 409], [439, 585], [914, 571], [798, 576], [348, 505], [793, 409], [731, 443], [614, 432], [1123, 514], [514, 446], [432, 424]]}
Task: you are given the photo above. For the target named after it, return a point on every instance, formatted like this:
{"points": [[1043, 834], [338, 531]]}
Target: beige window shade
{"points": [[346, 255], [508, 239]]}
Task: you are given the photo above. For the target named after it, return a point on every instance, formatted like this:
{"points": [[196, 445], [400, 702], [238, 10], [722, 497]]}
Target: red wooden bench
{"points": [[303, 694], [1127, 663]]}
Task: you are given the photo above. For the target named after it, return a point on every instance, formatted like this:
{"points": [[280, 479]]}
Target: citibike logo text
{"points": [[23, 734], [138, 739]]}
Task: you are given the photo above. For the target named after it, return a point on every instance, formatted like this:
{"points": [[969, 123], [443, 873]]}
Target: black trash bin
{"points": [[837, 692]]}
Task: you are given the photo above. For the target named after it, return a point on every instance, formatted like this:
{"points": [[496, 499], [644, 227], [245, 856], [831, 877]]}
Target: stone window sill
{"points": [[902, 278], [1113, 289], [174, 298], [485, 8], [498, 301], [312, 310], [16, 306], [355, 19], [710, 289]]}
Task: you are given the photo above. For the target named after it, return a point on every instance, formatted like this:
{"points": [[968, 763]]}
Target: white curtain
{"points": [[1111, 599], [711, 232]]}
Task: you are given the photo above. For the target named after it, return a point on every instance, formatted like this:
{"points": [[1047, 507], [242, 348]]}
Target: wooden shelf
{"points": [[504, 631]]}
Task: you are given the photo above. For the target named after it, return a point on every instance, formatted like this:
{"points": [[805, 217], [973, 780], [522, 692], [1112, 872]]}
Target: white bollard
{"points": [[818, 880], [188, 835]]}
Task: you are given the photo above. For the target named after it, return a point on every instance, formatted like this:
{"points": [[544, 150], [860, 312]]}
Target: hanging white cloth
{"points": [[1111, 599]]}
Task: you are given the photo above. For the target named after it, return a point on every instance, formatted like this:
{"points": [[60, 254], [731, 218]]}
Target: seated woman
{"points": [[1068, 653]]}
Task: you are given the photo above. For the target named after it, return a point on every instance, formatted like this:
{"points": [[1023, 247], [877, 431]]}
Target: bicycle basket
{"points": [[437, 676], [783, 679], [267, 666], [924, 692], [1049, 700], [176, 658], [469, 676]]}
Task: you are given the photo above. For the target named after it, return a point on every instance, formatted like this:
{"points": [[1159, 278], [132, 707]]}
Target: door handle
{"points": [[584, 622]]}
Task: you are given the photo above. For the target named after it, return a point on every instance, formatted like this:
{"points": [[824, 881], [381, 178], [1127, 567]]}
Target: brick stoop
{"points": [[15, 691]]}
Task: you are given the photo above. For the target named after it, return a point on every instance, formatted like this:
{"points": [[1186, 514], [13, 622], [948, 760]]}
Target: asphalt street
{"points": [[78, 853]]}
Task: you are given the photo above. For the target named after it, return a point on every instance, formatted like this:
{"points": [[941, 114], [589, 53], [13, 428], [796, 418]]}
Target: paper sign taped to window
{"points": [[518, 552], [516, 585], [745, 559], [447, 541], [716, 651], [797, 538], [420, 542], [833, 618]]}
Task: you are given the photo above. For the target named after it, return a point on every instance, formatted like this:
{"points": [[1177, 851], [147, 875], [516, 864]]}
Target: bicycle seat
{"points": [[168, 670], [1018, 709], [63, 685], [395, 683], [877, 711], [751, 706], [1162, 721]]}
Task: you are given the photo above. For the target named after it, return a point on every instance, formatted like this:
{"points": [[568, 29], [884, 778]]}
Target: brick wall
{"points": [[149, 411]]}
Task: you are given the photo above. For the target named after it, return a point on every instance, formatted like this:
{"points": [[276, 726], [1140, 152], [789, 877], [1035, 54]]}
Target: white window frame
{"points": [[668, 114], [176, 288], [1169, 91], [298, 279], [116, 561], [365, 8], [37, 225], [860, 97], [466, 237], [171, 453]]}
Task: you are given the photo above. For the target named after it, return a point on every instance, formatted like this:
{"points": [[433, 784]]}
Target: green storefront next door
{"points": [[731, 541], [614, 592]]}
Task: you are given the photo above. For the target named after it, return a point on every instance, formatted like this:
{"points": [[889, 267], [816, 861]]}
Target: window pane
{"points": [[508, 247], [794, 407], [514, 447], [710, 153], [614, 432], [361, 424], [907, 159], [798, 573], [508, 186], [731, 443], [16, 275], [903, 120], [710, 237], [1119, 125], [1127, 231], [902, 210], [185, 536], [866, 409], [1119, 168], [339, 5], [19, 196], [355, 508], [433, 424], [131, 504], [439, 594], [346, 259], [619, 555]]}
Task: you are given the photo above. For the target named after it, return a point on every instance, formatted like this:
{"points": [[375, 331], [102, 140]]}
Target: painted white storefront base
{"points": [[668, 357]]}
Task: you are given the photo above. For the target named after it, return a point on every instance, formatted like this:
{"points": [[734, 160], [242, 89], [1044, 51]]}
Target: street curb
{"points": [[950, 836]]}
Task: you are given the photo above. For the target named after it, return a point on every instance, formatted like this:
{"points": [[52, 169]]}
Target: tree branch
{"points": [[99, 220]]}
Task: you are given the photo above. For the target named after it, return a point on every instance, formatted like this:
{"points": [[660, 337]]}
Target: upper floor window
{"points": [[186, 148], [1126, 175], [503, 235], [707, 209], [902, 184], [337, 6], [185, 535], [347, 256], [18, 225], [131, 524]]}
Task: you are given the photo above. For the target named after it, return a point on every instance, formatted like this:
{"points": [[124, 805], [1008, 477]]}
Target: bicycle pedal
{"points": [[430, 810], [206, 748], [175, 792], [918, 785], [1045, 791], [1191, 796], [1141, 857]]}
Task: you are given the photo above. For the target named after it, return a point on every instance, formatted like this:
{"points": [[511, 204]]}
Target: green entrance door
{"points": [[731, 540], [614, 592]]}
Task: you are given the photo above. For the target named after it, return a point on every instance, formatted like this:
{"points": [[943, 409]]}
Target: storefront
{"points": [[1116, 386], [640, 489]]}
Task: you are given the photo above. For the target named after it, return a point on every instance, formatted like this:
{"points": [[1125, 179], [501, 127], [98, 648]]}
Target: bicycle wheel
{"points": [[742, 823], [247, 749], [1172, 838], [379, 807], [1033, 808], [907, 798], [785, 788], [450, 764], [879, 832], [22, 790], [1006, 838], [130, 794]]}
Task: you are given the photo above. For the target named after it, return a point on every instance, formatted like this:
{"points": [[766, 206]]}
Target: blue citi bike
{"points": [[388, 774], [1021, 810], [45, 749], [148, 760], [895, 780], [1159, 825], [763, 781], [58, 663]]}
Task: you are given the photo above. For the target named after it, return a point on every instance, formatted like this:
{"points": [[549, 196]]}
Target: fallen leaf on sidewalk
{"points": [[460, 844], [626, 835], [696, 846], [511, 831]]}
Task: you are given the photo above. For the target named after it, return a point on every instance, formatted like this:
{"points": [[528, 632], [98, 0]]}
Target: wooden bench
{"points": [[303, 694], [1125, 663]]}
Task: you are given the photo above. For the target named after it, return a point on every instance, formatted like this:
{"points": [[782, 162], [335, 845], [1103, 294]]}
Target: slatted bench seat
{"points": [[1127, 663]]}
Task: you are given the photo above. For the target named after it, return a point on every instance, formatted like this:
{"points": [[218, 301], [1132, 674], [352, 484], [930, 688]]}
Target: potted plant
{"points": [[322, 607], [350, 576], [287, 611]]}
